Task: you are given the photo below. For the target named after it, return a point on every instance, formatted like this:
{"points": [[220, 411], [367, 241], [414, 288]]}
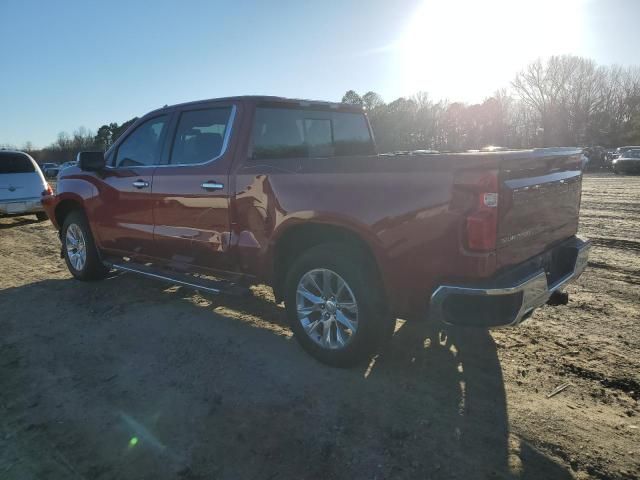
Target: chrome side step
{"points": [[197, 283]]}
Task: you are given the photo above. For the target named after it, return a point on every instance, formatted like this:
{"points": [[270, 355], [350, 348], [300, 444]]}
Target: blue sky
{"points": [[85, 63]]}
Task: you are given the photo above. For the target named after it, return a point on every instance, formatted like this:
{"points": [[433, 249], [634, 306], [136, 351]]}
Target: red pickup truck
{"points": [[292, 193]]}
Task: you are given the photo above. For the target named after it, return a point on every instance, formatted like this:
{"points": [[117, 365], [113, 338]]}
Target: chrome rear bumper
{"points": [[510, 299]]}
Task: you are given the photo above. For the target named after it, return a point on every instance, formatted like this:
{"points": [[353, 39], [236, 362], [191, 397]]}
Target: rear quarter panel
{"points": [[401, 207]]}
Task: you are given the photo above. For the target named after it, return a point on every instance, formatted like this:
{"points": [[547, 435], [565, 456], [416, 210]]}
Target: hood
{"points": [[68, 171]]}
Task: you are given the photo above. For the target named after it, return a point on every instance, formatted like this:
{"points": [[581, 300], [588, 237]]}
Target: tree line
{"points": [[561, 101], [67, 146]]}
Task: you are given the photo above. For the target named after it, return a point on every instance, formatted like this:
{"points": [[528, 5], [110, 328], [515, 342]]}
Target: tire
{"points": [[41, 216], [373, 326], [76, 227]]}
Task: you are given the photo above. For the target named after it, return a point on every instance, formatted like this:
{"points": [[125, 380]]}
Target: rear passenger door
{"points": [[191, 191], [289, 141]]}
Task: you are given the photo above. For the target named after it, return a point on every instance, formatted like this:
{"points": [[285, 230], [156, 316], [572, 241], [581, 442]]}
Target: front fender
{"points": [[70, 190]]}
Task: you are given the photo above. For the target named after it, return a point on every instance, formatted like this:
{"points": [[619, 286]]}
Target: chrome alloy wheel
{"points": [[327, 308], [76, 247]]}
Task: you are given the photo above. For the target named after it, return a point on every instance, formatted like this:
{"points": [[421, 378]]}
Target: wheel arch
{"points": [[300, 237], [65, 207]]}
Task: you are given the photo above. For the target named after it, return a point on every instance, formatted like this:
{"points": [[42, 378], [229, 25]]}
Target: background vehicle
{"points": [[46, 167], [63, 166], [52, 172], [292, 193], [620, 151], [584, 161], [628, 162], [22, 185], [596, 158]]}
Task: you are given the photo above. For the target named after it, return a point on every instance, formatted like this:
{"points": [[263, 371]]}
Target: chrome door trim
{"points": [[225, 144], [212, 185], [140, 184]]}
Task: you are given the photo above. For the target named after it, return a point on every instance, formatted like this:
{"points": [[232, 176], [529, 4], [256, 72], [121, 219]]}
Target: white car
{"points": [[22, 185], [63, 166]]}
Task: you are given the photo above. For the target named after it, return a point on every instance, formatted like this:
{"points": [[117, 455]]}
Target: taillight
{"points": [[482, 218], [47, 191]]}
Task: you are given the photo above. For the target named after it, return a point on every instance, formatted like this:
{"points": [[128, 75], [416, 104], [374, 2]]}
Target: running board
{"points": [[211, 286]]}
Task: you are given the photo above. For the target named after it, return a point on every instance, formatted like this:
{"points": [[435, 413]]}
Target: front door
{"points": [[191, 192], [123, 220]]}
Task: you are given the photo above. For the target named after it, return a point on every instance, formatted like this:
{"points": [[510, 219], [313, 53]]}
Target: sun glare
{"points": [[467, 49]]}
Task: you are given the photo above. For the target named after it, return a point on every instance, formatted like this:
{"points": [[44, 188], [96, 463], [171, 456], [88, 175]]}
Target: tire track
{"points": [[616, 243]]}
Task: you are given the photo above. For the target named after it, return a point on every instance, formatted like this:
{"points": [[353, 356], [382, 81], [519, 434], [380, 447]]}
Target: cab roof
{"points": [[273, 101]]}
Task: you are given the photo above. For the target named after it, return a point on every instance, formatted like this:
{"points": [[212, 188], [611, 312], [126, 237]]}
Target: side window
{"points": [[200, 135], [278, 133], [294, 133], [351, 134], [143, 146]]}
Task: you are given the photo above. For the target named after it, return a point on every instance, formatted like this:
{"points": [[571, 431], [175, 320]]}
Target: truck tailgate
{"points": [[539, 202]]}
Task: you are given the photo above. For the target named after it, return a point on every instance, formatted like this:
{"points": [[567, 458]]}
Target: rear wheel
{"points": [[79, 250], [41, 216], [335, 305]]}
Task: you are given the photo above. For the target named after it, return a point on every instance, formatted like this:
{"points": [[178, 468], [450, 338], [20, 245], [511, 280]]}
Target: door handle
{"points": [[211, 185], [140, 184]]}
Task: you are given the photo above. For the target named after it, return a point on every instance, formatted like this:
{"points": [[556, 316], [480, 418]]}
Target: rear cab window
{"points": [[280, 132], [15, 163]]}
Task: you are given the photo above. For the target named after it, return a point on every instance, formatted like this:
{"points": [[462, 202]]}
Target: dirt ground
{"points": [[129, 378]]}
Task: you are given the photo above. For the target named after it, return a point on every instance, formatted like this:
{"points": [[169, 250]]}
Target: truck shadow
{"points": [[11, 222], [227, 396], [458, 372]]}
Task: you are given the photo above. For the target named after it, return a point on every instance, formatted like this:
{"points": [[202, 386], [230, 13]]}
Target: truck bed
{"points": [[408, 209]]}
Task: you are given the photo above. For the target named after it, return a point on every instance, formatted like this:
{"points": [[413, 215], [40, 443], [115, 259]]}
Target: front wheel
{"points": [[335, 306], [79, 249], [41, 216]]}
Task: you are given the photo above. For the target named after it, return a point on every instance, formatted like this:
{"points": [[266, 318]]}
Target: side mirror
{"points": [[91, 161]]}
